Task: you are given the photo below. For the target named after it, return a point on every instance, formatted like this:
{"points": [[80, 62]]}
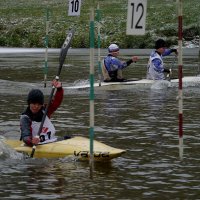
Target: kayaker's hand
{"points": [[56, 84], [169, 73], [35, 140], [134, 58], [175, 51]]}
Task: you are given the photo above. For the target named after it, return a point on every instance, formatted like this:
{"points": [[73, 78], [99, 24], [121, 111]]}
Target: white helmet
{"points": [[113, 48]]}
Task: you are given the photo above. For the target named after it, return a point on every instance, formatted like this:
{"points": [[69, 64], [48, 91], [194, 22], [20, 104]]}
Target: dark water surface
{"points": [[142, 121]]}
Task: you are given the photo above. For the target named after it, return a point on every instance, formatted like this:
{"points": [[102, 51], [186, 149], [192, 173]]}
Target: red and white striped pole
{"points": [[180, 74]]}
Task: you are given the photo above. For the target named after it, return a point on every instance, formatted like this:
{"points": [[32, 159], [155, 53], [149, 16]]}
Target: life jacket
{"points": [[114, 75], [152, 72], [48, 130], [105, 73]]}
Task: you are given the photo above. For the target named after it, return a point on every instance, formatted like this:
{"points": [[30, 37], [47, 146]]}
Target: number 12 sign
{"points": [[136, 17]]}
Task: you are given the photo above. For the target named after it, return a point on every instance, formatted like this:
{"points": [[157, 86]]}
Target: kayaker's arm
{"points": [[169, 51], [129, 62], [157, 65], [25, 127], [56, 101], [174, 51], [133, 59]]}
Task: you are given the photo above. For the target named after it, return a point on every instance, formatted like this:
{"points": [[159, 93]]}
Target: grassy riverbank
{"points": [[22, 23]]}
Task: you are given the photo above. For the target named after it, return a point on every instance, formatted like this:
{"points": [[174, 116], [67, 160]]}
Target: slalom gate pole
{"points": [[99, 43], [180, 75], [91, 130], [46, 46]]}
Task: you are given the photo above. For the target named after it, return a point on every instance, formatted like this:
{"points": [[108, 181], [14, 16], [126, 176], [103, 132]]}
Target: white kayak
{"points": [[78, 146], [188, 81]]}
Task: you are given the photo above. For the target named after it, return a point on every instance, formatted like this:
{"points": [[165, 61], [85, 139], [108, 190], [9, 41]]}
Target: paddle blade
{"points": [[64, 49]]}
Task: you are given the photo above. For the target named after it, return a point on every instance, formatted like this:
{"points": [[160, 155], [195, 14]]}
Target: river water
{"points": [[142, 121]]}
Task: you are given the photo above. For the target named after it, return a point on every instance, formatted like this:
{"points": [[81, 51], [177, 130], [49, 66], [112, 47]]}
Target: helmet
{"points": [[160, 43], [35, 96], [113, 48]]}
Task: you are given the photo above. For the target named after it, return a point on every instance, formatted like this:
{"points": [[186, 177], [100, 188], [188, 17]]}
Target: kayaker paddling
{"points": [[31, 118], [155, 68], [112, 67]]}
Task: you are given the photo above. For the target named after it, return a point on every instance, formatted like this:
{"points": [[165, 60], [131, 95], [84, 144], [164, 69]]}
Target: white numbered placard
{"points": [[136, 17], [74, 7]]}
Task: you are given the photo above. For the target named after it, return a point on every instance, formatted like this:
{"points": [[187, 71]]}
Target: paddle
{"points": [[172, 65], [63, 53]]}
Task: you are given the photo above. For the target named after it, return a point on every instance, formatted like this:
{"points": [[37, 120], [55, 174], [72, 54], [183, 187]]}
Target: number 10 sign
{"points": [[136, 17], [74, 7]]}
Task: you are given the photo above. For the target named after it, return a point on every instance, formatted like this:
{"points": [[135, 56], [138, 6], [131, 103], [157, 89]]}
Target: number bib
{"points": [[48, 130]]}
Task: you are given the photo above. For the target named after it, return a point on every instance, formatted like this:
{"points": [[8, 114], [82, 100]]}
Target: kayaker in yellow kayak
{"points": [[31, 118]]}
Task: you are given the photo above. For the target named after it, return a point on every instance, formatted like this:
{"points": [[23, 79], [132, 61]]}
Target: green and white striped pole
{"points": [[99, 43], [91, 131], [46, 46]]}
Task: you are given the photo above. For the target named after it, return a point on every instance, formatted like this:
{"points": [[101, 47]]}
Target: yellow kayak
{"points": [[78, 147]]}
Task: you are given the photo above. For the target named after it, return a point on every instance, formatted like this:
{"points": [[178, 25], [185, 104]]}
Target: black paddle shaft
{"points": [[63, 53]]}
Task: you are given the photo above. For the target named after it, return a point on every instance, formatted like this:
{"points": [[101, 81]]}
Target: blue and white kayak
{"points": [[188, 81]]}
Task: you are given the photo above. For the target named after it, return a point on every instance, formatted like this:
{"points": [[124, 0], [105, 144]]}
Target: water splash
{"points": [[7, 152], [81, 82], [160, 85], [191, 81]]}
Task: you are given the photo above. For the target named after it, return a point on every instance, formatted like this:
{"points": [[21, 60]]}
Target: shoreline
{"points": [[192, 52]]}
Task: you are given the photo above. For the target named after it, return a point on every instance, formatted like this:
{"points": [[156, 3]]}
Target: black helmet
{"points": [[35, 96], [160, 43]]}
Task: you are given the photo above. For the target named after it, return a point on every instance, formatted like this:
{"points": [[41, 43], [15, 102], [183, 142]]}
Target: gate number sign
{"points": [[136, 17], [74, 7]]}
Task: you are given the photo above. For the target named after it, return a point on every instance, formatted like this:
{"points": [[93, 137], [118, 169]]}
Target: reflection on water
{"points": [[142, 121]]}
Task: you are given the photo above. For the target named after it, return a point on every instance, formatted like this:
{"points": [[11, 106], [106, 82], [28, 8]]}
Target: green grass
{"points": [[22, 23]]}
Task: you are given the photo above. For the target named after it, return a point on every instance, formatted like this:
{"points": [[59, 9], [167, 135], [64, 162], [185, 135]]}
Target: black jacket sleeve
{"points": [[129, 62], [25, 127]]}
